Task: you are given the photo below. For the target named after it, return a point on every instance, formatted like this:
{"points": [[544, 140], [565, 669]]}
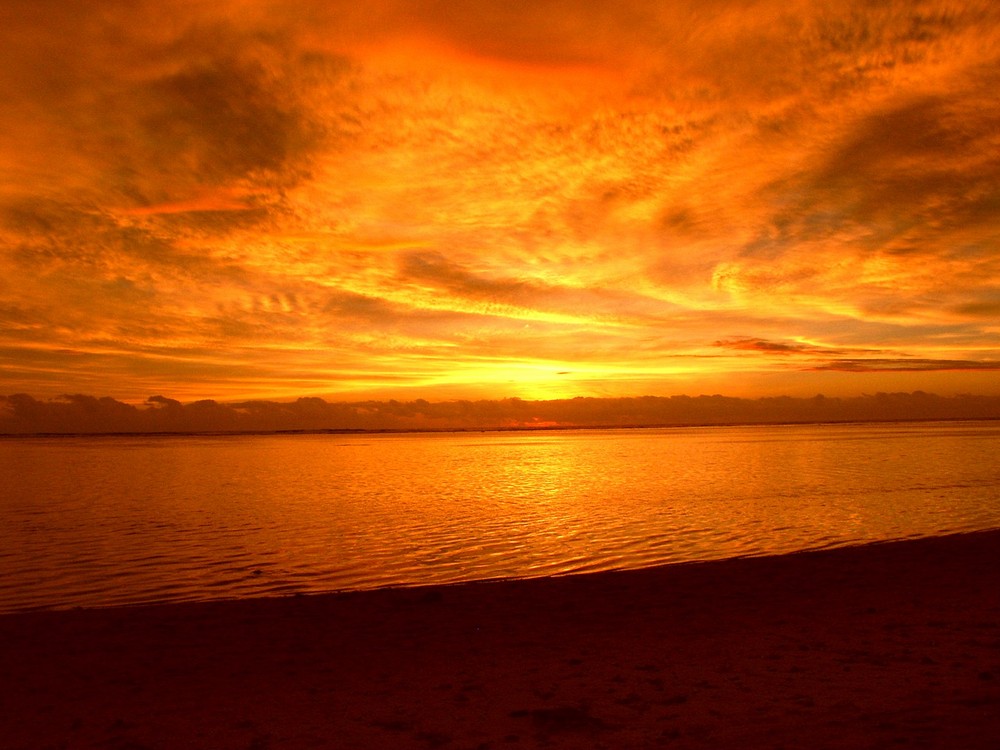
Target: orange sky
{"points": [[541, 200]]}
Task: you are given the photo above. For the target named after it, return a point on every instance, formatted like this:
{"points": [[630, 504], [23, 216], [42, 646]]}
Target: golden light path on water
{"points": [[129, 519]]}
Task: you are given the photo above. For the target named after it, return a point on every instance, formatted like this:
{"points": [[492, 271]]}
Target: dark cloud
{"points": [[23, 414], [502, 295], [769, 347], [153, 114], [213, 122], [433, 266], [351, 306], [222, 118], [906, 176], [163, 402], [54, 228], [985, 305], [36, 217], [898, 218], [935, 153], [838, 359], [908, 365], [88, 248], [347, 309]]}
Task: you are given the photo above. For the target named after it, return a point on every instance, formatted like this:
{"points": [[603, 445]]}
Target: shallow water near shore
{"points": [[101, 521]]}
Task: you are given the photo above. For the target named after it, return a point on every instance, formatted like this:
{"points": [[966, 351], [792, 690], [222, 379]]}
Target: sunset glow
{"points": [[235, 200]]}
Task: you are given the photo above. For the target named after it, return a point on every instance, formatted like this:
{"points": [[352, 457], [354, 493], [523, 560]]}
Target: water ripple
{"points": [[172, 519]]}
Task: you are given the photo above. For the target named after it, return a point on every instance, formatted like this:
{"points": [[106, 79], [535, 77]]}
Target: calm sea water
{"points": [[97, 521]]}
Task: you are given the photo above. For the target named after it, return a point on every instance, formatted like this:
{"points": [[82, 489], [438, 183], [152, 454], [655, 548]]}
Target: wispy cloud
{"points": [[909, 365]]}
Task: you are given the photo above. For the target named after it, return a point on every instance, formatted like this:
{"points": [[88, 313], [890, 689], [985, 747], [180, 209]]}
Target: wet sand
{"points": [[868, 647]]}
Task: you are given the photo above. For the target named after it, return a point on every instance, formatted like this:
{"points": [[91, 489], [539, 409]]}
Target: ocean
{"points": [[94, 521]]}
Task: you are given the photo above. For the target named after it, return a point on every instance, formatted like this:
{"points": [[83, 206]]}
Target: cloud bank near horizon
{"points": [[21, 414]]}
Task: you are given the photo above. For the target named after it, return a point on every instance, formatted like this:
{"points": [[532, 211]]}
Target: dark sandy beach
{"points": [[870, 647]]}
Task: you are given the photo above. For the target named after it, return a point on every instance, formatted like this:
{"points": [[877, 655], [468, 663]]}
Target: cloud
{"points": [[928, 163], [769, 347], [987, 305], [812, 357], [527, 297], [244, 199], [76, 413], [172, 114]]}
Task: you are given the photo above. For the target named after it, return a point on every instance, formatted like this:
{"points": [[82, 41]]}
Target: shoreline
{"points": [[866, 646], [447, 584]]}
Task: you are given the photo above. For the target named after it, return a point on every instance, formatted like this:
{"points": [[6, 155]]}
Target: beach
{"points": [[894, 644]]}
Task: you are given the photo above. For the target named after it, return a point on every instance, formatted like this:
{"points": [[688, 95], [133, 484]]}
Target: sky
{"points": [[239, 200]]}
